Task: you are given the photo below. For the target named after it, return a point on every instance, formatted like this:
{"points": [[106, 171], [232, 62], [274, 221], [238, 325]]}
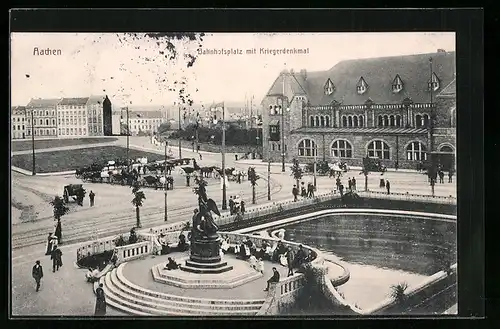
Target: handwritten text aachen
{"points": [[46, 52]]}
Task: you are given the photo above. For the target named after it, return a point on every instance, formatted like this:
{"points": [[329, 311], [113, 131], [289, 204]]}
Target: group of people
{"points": [[351, 183], [164, 246], [305, 193], [55, 255], [236, 205]]}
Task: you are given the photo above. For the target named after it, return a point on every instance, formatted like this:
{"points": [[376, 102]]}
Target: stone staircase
{"points": [[130, 298]]}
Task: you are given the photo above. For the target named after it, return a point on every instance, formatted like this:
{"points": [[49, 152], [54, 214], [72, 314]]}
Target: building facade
{"points": [[144, 122], [95, 115], [398, 109], [72, 117], [44, 117], [18, 122]]}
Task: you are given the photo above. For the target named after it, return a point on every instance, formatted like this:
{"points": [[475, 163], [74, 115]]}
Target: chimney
{"points": [[303, 73]]}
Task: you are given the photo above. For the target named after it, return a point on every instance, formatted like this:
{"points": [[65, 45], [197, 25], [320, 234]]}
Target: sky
{"points": [[134, 72]]}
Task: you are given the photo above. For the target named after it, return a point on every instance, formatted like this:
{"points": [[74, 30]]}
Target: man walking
{"points": [[231, 205], [295, 192], [91, 197], [275, 278], [37, 274], [388, 186], [56, 259], [450, 176], [353, 182], [289, 261]]}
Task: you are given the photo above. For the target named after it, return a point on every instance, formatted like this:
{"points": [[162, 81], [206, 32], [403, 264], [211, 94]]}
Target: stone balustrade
{"points": [[133, 251], [95, 247], [409, 197]]}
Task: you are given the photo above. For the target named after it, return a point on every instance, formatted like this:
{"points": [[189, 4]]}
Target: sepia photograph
{"points": [[233, 174]]}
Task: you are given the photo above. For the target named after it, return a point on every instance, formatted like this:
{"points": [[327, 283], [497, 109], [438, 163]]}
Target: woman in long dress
{"points": [[48, 249], [100, 303]]}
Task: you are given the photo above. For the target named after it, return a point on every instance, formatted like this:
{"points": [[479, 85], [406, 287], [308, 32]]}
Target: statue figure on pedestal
{"points": [[204, 225]]}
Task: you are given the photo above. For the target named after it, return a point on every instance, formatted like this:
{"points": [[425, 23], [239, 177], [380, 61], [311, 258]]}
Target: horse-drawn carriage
{"points": [[74, 191], [374, 164]]}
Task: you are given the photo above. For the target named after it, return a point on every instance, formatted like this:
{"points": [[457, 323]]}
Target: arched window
{"points": [[41, 132], [453, 118], [341, 149], [307, 148], [378, 149], [361, 123], [46, 113], [317, 121], [327, 121], [355, 121], [392, 121], [53, 131], [53, 122], [344, 121], [416, 151], [48, 132], [322, 118], [349, 119], [425, 120], [418, 121], [398, 120], [271, 110], [41, 122], [380, 121], [446, 149], [386, 121], [311, 120], [59, 131]]}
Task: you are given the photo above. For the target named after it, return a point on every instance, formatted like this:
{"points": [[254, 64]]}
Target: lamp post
{"points": [[282, 135], [224, 202], [128, 140], [433, 170], [315, 150], [165, 177], [180, 150], [33, 170], [268, 172]]}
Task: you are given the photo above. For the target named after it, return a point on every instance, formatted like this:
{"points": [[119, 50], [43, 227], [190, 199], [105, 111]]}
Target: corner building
{"points": [[397, 109]]}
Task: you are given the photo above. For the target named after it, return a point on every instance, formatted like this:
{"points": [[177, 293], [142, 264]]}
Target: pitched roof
{"points": [[145, 114], [74, 101], [17, 110], [43, 102], [293, 84], [449, 90], [379, 73]]}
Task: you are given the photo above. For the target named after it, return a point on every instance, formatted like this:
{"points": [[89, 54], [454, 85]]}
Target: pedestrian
{"points": [[303, 192], [242, 207], [341, 189], [349, 183], [310, 190], [260, 266], [37, 274], [353, 181], [388, 187], [295, 193], [48, 249], [441, 177], [56, 258], [201, 157], [289, 261], [382, 183], [450, 176], [338, 183], [58, 232], [274, 279], [231, 205], [396, 165], [91, 197], [198, 148], [100, 302]]}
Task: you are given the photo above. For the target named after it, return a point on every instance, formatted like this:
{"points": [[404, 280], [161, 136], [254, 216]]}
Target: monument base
{"points": [[205, 257]]}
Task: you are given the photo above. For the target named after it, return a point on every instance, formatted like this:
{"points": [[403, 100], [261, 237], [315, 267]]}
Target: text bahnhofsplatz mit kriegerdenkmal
{"points": [[253, 51]]}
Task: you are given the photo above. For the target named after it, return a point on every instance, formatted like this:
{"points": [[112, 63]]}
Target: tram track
{"points": [[77, 230]]}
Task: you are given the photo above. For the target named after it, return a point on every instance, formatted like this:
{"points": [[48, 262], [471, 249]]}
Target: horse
{"points": [[151, 181]]}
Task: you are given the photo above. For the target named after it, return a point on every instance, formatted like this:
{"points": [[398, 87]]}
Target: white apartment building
{"points": [[18, 122], [145, 122], [72, 118], [95, 115]]}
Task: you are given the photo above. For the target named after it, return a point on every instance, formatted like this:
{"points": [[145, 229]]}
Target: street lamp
{"points": [[128, 140], [268, 171], [224, 202], [33, 171], [165, 177], [180, 150], [433, 171]]}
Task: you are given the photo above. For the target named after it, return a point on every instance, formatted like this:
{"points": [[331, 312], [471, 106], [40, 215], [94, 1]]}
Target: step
{"points": [[165, 309], [201, 284], [192, 263], [121, 277], [157, 273], [198, 270], [114, 281]]}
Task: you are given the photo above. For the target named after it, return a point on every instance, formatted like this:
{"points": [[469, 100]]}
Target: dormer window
{"points": [[361, 86], [329, 87], [397, 84], [433, 83]]}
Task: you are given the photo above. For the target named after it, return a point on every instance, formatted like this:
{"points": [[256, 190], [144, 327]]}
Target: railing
{"points": [[409, 197], [96, 247], [133, 251]]}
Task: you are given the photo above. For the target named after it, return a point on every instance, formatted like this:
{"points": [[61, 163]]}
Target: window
{"points": [[361, 86], [53, 122], [316, 121], [386, 120], [307, 148], [361, 123], [59, 121], [322, 121], [46, 113], [453, 118], [378, 149], [23, 127], [327, 121], [13, 127], [433, 83], [274, 129], [22, 120], [273, 146], [416, 151], [341, 149], [35, 113], [67, 120], [355, 121], [398, 120], [18, 127], [397, 84], [349, 120], [311, 120], [344, 121], [41, 131], [79, 131], [53, 113], [84, 132], [53, 131], [71, 131], [380, 121], [392, 121], [67, 131], [329, 87], [426, 120], [59, 130], [446, 149]]}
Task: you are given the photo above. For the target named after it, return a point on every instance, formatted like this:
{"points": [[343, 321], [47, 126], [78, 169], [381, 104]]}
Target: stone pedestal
{"points": [[205, 257]]}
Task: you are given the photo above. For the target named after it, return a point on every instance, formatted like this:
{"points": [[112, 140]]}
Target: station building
{"points": [[18, 123], [398, 109]]}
